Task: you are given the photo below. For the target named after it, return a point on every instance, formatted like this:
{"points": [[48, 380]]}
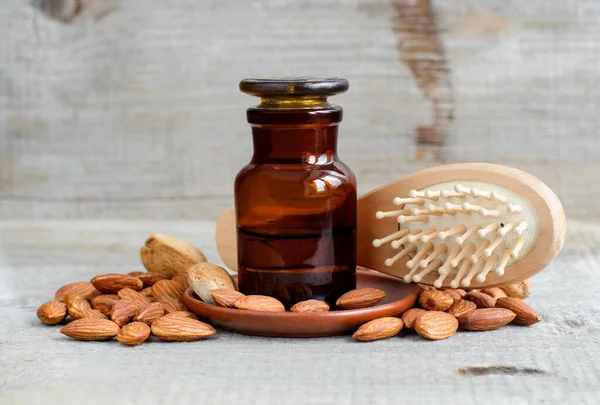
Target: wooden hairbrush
{"points": [[467, 225]]}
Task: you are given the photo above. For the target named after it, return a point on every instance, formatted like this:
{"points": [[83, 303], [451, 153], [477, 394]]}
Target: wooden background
{"points": [[130, 109]]}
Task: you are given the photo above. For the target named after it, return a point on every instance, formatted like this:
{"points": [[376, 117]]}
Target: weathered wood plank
{"points": [[137, 113]]}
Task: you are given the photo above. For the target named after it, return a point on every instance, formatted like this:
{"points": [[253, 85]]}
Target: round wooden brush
{"points": [[467, 225]]}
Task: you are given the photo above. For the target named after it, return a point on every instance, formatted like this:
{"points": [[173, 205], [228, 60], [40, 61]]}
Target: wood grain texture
{"points": [[555, 361], [134, 111]]}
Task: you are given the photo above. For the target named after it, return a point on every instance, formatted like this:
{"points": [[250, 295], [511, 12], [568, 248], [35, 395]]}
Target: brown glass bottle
{"points": [[295, 200]]}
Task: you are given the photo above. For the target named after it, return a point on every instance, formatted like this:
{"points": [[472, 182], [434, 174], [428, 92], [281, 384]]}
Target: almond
{"points": [[166, 287], [93, 314], [149, 279], [133, 333], [410, 317], [461, 307], [104, 303], [486, 319], [376, 329], [526, 315], [77, 306], [181, 329], [494, 292], [360, 298], [171, 304], [52, 312], [455, 296], [181, 314], [435, 300], [205, 278], [91, 329], [224, 297], [426, 287], [138, 299], [169, 255], [436, 325], [84, 289], [149, 313], [123, 311], [112, 283], [518, 290], [147, 292], [259, 303], [136, 273], [311, 306], [480, 299], [181, 282], [458, 291]]}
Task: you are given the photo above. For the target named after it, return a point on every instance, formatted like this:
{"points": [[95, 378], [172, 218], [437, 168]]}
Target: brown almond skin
{"points": [[521, 289], [260, 303], [52, 312], [381, 328], [494, 292], [94, 314], [486, 319], [91, 329], [169, 255], [310, 306], [181, 314], [171, 304], [436, 325], [166, 287], [455, 296], [123, 312], [360, 298], [480, 299], [136, 273], [526, 315], [150, 313], [461, 307], [104, 302], [181, 329], [458, 291], [149, 279], [224, 297], [77, 306], [84, 289], [435, 300], [138, 299], [112, 283], [410, 317], [133, 333]]}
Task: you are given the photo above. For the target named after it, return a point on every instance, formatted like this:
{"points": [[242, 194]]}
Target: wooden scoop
{"points": [[472, 225]]}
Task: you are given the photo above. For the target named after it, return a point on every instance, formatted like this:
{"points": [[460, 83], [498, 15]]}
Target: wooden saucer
{"points": [[399, 298]]}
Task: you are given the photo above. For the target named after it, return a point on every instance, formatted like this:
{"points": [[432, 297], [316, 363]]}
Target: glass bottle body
{"points": [[296, 209]]}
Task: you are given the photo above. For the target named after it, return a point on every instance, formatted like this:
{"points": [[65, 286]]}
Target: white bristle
{"points": [[440, 280], [499, 197], [436, 252], [416, 194], [503, 261], [416, 211], [450, 194], [420, 255], [417, 236], [402, 201], [387, 214], [397, 243], [475, 256], [432, 195], [466, 251], [490, 213], [408, 249], [455, 208], [452, 231], [430, 267], [472, 272], [506, 229], [446, 266], [390, 237], [490, 228], [402, 219], [478, 193], [460, 189], [470, 232], [517, 248], [471, 207], [459, 274], [431, 236], [486, 268], [495, 243], [515, 208], [521, 228], [409, 276]]}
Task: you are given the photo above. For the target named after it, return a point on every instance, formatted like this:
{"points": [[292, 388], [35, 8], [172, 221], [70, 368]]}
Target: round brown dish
{"points": [[399, 298]]}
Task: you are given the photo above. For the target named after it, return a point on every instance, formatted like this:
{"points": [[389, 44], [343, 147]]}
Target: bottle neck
{"points": [[304, 144]]}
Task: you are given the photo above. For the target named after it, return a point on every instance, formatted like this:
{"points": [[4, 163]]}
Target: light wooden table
{"points": [[555, 361]]}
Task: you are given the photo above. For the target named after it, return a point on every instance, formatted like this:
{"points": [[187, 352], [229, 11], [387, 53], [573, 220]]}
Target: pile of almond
{"points": [[441, 312], [132, 306]]}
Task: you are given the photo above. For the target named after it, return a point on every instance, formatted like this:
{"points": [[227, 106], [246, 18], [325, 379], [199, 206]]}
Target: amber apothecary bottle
{"points": [[295, 201]]}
